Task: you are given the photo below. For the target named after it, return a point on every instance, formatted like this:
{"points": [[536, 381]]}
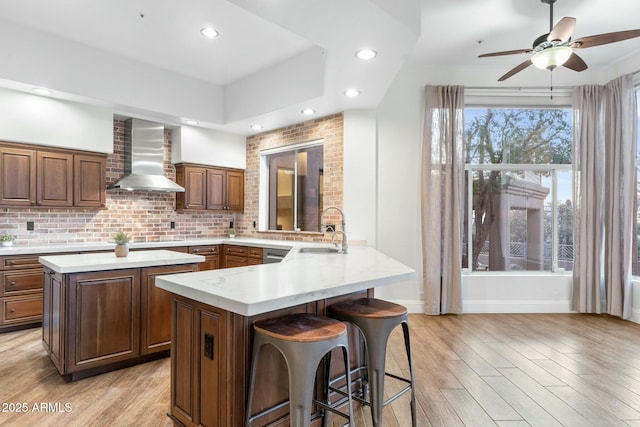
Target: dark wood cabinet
{"points": [[99, 321], [155, 309], [200, 366], [17, 176], [239, 256], [54, 173], [20, 292], [89, 180], [210, 188], [33, 177], [104, 318], [211, 253]]}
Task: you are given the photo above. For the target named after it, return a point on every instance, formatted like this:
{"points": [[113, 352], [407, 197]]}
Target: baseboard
{"points": [[523, 306]]}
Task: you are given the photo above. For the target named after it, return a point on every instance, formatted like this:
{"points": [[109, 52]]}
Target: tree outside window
{"points": [[519, 202]]}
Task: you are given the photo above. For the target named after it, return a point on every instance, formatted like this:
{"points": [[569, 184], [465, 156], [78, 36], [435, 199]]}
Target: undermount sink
{"points": [[321, 250]]}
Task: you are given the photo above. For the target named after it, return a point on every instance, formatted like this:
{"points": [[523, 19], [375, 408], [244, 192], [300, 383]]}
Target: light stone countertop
{"points": [[298, 279], [81, 263]]}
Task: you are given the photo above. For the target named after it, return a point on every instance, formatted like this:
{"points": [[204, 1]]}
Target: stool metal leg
{"points": [[407, 345]]}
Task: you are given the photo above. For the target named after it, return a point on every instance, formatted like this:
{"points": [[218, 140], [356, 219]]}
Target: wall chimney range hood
{"points": [[144, 159]]}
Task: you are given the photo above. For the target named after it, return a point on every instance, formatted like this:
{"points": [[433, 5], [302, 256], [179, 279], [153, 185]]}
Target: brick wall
{"points": [[145, 215], [330, 129]]}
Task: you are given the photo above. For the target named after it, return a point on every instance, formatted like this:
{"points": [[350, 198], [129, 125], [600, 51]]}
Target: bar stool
{"points": [[375, 319], [303, 340]]}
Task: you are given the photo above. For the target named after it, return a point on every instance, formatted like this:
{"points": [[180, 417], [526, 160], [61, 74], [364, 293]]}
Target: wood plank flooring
{"points": [[471, 370]]}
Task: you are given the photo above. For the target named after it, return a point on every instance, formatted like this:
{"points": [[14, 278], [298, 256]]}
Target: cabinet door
{"points": [[55, 179], [195, 195], [155, 309], [89, 181], [21, 282], [17, 177], [200, 367], [216, 188], [235, 191], [106, 325]]}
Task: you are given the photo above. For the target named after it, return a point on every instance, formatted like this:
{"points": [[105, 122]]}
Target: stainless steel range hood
{"points": [[144, 159]]}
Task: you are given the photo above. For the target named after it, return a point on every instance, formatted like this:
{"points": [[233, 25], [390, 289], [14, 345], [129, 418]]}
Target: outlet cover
{"points": [[173, 225], [30, 226]]}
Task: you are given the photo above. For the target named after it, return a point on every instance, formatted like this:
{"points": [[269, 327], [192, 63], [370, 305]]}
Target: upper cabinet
{"points": [[210, 188], [31, 177]]}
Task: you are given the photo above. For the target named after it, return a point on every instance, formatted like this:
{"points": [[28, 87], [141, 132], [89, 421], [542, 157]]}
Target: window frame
{"points": [[263, 197]]}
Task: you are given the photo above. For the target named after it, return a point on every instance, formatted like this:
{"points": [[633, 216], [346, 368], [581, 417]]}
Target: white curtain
{"points": [[442, 192], [604, 185]]}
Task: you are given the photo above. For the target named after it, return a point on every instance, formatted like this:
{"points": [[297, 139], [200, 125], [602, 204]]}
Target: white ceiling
{"points": [[272, 58]]}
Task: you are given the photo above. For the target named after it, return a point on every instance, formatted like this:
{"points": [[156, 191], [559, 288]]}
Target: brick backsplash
{"points": [[330, 129], [147, 215]]}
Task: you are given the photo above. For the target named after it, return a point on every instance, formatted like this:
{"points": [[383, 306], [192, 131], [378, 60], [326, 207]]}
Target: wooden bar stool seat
{"points": [[303, 340], [376, 319]]}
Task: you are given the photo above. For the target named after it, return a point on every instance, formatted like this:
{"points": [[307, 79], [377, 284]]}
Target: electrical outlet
{"points": [[173, 225], [254, 224], [331, 228], [30, 226]]}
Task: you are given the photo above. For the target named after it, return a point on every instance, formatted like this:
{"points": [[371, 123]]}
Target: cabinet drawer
{"points": [[19, 309], [21, 281], [254, 261], [19, 261], [234, 261], [204, 250], [235, 250], [255, 253]]}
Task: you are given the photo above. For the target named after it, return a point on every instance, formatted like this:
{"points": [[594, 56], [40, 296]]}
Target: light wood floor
{"points": [[471, 370]]}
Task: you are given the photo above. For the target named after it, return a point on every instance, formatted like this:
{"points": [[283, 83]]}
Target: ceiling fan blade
{"points": [[606, 38], [515, 70], [506, 52], [563, 30], [575, 63]]}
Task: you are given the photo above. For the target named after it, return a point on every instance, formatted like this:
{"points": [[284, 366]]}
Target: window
{"points": [[519, 189], [294, 185]]}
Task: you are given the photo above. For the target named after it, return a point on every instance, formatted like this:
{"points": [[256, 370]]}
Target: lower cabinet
{"points": [[239, 256], [20, 292], [95, 321], [211, 253], [200, 365]]}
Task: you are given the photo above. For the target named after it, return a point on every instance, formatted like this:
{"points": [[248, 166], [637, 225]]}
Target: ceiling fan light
{"points": [[552, 57]]}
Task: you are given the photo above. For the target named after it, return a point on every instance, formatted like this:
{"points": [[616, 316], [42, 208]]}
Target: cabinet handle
{"points": [[10, 262], [13, 310], [12, 284], [196, 250]]}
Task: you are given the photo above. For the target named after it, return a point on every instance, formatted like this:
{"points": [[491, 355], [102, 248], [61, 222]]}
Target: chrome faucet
{"points": [[343, 231]]}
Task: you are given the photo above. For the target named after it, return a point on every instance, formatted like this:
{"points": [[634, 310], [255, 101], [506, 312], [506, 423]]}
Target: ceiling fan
{"points": [[557, 48]]}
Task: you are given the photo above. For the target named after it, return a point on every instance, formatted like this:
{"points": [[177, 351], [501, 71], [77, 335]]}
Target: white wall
{"points": [[41, 120], [208, 147], [360, 167]]}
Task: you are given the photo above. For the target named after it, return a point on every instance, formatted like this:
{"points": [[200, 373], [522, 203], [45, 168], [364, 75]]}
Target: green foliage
{"points": [[7, 238], [122, 238], [518, 136]]}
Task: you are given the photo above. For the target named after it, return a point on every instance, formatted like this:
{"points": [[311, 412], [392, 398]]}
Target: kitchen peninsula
{"points": [[213, 313], [102, 312]]}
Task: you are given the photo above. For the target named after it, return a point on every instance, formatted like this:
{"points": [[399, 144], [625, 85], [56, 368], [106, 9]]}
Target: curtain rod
{"points": [[516, 88]]}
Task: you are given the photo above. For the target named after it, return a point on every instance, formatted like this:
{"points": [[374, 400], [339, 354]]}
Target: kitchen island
{"points": [[102, 312], [214, 311]]}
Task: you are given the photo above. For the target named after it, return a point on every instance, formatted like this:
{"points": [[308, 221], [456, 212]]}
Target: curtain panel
{"points": [[442, 198], [604, 185]]}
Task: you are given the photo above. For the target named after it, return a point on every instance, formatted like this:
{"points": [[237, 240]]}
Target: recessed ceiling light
{"points": [[352, 93], [209, 32], [190, 122], [308, 111], [256, 126], [42, 91], [366, 54]]}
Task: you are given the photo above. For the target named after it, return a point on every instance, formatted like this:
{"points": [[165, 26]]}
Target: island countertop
{"points": [[81, 263], [300, 278]]}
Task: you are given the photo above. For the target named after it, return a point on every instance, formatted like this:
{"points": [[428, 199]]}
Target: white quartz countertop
{"points": [[298, 279], [80, 263]]}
